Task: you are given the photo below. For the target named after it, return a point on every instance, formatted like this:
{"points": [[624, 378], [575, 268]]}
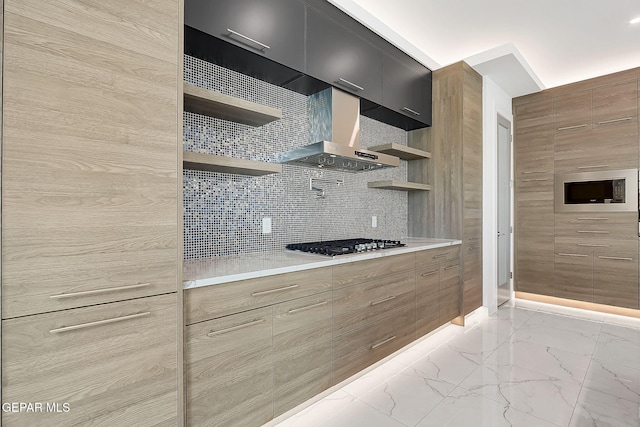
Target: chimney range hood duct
{"points": [[334, 121]]}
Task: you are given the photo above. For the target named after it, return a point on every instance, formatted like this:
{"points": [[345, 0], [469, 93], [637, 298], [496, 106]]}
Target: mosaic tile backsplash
{"points": [[223, 213]]}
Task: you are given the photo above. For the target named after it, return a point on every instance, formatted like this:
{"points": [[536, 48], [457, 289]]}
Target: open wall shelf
{"points": [[399, 185], [402, 151], [214, 163], [214, 104]]}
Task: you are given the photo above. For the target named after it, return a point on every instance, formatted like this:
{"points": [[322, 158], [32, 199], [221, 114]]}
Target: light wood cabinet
{"points": [[615, 279], [453, 207], [229, 370], [450, 297], [113, 364], [360, 271], [90, 161], [301, 350], [615, 105], [209, 302], [360, 348], [573, 273], [572, 112], [427, 299]]}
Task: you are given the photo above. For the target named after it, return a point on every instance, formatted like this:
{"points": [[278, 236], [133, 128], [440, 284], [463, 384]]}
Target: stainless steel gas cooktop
{"points": [[347, 246]]}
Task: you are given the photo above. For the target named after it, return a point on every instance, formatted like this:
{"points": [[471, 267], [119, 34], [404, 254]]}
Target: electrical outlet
{"points": [[266, 225], [374, 221]]}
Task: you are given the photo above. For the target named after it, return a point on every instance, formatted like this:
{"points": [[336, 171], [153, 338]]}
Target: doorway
{"points": [[504, 210]]}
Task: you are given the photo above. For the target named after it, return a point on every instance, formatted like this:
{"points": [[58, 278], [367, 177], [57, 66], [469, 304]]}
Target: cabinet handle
{"points": [[348, 83], [98, 323], [235, 328], [235, 33], [383, 300], [624, 119], [452, 267], [534, 179], [99, 291], [590, 245], [271, 291], [616, 258], [574, 255], [472, 248], [530, 172], [593, 167], [309, 307], [593, 219], [374, 346], [409, 110], [573, 127], [440, 255], [431, 273], [593, 231]]}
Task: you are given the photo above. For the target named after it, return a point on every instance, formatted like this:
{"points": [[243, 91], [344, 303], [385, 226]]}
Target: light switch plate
{"points": [[374, 221]]}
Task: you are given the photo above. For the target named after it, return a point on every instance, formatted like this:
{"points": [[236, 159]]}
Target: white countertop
{"points": [[213, 271]]}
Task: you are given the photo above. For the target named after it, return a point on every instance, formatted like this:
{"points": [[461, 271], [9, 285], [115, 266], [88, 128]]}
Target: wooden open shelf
{"points": [[214, 163], [404, 152], [214, 104], [399, 185]]}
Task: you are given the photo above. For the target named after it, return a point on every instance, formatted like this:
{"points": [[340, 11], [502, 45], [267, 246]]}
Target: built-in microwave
{"points": [[603, 191]]}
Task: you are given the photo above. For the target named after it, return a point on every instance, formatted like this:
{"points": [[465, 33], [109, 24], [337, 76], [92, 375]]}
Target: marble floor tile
{"points": [[572, 341], [542, 396], [585, 327], [427, 345], [517, 316], [603, 410], [615, 380], [408, 396], [615, 333], [464, 408], [618, 352], [373, 378], [358, 414], [476, 344], [447, 364], [547, 360]]}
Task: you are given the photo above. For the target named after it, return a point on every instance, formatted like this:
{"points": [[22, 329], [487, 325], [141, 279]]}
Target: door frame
{"points": [[502, 121]]}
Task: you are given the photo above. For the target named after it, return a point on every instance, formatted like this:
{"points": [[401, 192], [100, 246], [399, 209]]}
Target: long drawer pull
{"points": [[533, 179], [271, 291], [593, 245], [440, 255], [593, 167], [235, 328], [624, 119], [430, 273], [530, 172], [452, 267], [593, 219], [98, 323], [593, 231], [409, 110], [309, 307], [374, 346], [262, 45], [616, 258], [348, 83], [472, 248], [573, 127], [99, 291], [389, 298], [574, 255]]}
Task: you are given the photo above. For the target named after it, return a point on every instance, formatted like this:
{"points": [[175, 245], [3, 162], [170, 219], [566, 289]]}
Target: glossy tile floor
{"points": [[516, 368]]}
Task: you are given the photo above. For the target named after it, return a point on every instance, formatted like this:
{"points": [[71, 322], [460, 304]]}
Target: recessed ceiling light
{"points": [[635, 20]]}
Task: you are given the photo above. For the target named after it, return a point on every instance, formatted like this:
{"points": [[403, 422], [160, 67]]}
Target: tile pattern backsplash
{"points": [[223, 212]]}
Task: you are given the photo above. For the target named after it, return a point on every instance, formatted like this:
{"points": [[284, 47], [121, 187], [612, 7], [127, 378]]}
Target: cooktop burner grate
{"points": [[342, 247]]}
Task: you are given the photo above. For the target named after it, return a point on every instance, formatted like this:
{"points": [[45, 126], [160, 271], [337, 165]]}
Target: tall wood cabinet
{"points": [[90, 210], [453, 207], [586, 126]]}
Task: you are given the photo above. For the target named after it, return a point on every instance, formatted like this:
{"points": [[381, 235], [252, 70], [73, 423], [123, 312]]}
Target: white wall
{"points": [[495, 101]]}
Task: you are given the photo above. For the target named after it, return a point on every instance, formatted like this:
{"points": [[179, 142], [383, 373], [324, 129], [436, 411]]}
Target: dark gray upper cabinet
{"points": [[341, 58], [407, 88], [274, 29]]}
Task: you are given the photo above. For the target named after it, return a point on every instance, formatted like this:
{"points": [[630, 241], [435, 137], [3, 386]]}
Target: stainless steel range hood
{"points": [[334, 128]]}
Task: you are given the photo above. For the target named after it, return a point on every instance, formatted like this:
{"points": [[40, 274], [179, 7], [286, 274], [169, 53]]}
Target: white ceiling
{"points": [[524, 45]]}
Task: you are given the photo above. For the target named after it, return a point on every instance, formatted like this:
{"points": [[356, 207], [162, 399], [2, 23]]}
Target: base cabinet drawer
{"points": [[450, 292], [363, 271], [113, 364], [358, 349], [427, 299], [301, 350], [573, 273], [229, 370], [615, 280], [432, 256]]}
